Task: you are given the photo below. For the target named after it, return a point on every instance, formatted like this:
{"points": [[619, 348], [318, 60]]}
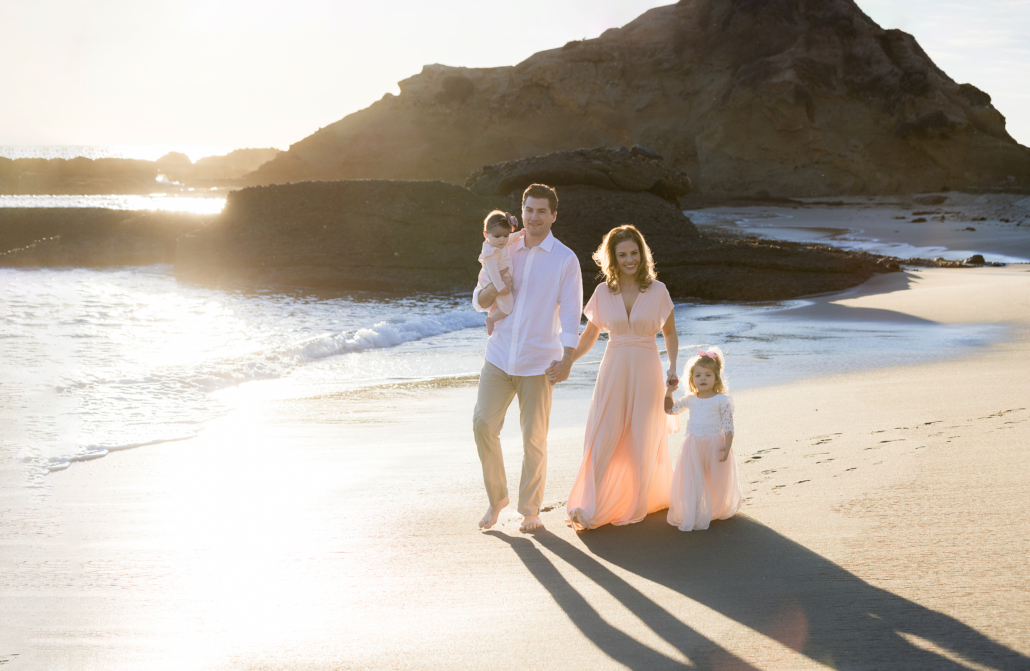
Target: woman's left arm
{"points": [[672, 346]]}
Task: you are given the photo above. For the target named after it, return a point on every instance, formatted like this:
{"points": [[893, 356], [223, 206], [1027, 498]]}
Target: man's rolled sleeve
{"points": [[475, 300], [570, 303]]}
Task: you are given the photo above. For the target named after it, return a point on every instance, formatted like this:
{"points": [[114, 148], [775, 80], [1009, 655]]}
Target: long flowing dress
{"points": [[626, 470], [704, 488]]}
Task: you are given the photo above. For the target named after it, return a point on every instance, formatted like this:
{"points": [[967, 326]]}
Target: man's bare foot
{"points": [[492, 513], [530, 522]]}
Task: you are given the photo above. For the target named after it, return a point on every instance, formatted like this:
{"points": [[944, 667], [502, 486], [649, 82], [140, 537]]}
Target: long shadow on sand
{"points": [[766, 582]]}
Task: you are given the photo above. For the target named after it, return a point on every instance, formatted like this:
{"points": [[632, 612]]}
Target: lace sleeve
{"points": [[726, 414], [678, 407]]}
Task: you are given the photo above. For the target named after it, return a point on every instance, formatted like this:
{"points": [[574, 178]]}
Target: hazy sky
{"points": [[257, 73]]}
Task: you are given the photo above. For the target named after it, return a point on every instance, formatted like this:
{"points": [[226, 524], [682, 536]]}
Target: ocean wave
{"points": [[387, 334], [161, 400]]}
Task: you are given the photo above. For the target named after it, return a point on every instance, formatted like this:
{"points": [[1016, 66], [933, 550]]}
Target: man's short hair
{"points": [[541, 191]]}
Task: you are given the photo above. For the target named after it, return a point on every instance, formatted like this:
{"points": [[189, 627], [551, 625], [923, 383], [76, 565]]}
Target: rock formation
{"points": [[408, 237], [366, 235], [790, 97], [91, 237], [633, 170]]}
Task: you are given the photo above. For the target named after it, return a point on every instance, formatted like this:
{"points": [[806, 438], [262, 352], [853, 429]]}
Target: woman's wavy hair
{"points": [[604, 257], [714, 360]]}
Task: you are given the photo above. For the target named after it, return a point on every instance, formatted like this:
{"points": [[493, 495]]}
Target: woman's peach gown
{"points": [[626, 471]]}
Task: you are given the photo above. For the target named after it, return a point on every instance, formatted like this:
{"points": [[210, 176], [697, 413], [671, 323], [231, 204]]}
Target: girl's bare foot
{"points": [[492, 513]]}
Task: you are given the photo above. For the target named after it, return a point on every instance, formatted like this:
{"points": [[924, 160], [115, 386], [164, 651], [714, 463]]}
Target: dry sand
{"points": [[885, 527]]}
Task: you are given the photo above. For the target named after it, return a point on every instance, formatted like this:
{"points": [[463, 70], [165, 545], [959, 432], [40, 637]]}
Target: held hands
{"points": [[559, 371], [672, 380]]}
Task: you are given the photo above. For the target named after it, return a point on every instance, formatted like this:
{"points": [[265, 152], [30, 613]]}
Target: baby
{"points": [[497, 228]]}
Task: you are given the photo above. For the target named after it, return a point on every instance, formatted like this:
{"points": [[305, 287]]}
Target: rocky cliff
{"points": [[790, 97]]}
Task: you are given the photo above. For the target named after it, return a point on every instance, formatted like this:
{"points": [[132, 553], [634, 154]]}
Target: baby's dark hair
{"points": [[498, 219]]}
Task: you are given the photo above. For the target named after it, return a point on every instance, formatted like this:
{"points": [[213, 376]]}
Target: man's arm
{"points": [[483, 297], [570, 307]]}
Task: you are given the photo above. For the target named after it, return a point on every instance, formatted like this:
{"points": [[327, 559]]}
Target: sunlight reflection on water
{"points": [[155, 201]]}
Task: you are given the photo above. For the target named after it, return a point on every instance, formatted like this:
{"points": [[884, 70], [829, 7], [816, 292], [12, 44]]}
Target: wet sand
{"points": [[997, 226], [885, 526]]}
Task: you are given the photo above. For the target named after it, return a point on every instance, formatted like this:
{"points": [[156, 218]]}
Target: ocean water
{"points": [[149, 152], [96, 361], [209, 203]]}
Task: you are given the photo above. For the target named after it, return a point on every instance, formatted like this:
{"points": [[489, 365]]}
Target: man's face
{"points": [[537, 217]]}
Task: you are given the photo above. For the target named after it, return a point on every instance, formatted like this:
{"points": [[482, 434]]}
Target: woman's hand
{"points": [[672, 380]]}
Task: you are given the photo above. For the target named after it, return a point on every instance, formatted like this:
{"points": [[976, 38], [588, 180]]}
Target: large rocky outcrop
{"points": [[412, 237], [793, 97], [366, 235], [633, 170]]}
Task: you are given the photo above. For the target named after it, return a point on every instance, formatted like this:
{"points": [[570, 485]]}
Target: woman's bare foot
{"points": [[492, 513], [530, 522]]}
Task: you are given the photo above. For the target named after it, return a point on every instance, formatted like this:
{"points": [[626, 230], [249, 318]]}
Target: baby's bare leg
{"points": [[492, 318]]}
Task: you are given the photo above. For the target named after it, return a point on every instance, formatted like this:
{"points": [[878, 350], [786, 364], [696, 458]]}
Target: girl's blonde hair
{"points": [[605, 258], [714, 360]]}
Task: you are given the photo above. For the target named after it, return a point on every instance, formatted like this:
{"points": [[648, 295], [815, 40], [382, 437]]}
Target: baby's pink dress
{"points": [[494, 260], [704, 488], [626, 468]]}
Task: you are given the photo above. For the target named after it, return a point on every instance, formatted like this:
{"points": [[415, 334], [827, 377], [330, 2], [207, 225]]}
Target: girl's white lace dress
{"points": [[703, 488]]}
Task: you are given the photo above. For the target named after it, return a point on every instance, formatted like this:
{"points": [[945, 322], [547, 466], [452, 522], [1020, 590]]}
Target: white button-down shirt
{"points": [[548, 292]]}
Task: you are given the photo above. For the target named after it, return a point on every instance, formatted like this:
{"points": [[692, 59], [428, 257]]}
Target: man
{"points": [[528, 353]]}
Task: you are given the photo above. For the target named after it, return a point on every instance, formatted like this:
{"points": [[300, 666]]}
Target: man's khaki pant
{"points": [[496, 391]]}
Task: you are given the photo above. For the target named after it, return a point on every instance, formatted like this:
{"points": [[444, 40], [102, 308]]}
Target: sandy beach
{"points": [[884, 526]]}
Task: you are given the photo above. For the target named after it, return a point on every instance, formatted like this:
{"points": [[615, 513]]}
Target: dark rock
{"points": [[609, 169], [425, 236], [974, 95], [975, 260], [969, 228], [930, 200], [371, 235], [91, 237], [637, 150], [918, 220], [801, 99]]}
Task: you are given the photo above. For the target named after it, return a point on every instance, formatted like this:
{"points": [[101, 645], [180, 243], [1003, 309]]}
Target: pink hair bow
{"points": [[710, 355], [512, 220]]}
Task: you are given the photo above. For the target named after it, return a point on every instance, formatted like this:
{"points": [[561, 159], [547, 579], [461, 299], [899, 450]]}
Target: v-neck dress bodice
{"points": [[626, 471]]}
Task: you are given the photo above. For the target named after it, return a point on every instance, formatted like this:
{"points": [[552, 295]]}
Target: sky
{"points": [[253, 73]]}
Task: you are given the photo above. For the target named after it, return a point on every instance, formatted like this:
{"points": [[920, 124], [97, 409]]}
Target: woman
{"points": [[626, 471]]}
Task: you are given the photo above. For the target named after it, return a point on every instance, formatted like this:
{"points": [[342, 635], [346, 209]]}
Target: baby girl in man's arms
{"points": [[498, 227]]}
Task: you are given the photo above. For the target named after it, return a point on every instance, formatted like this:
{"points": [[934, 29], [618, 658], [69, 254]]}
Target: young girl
{"points": [[705, 484], [497, 228]]}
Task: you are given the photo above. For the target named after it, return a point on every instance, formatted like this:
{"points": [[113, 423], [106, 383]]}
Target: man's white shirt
{"points": [[548, 292]]}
